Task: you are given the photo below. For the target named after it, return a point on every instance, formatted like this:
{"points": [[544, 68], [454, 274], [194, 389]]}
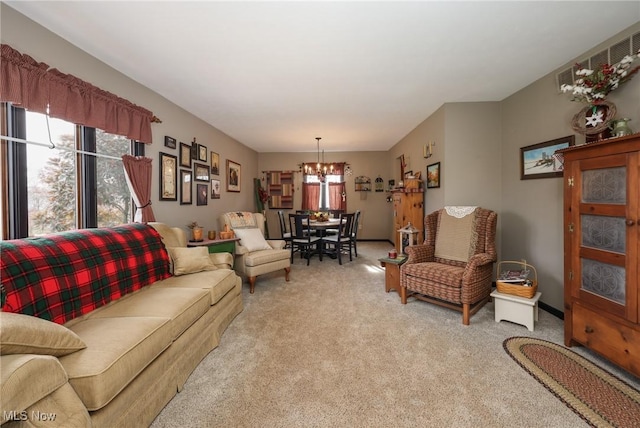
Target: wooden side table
{"points": [[519, 310], [217, 245], [392, 272]]}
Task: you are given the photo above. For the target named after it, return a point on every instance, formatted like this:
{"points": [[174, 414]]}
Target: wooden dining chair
{"points": [[354, 232], [343, 239], [302, 240], [284, 235]]}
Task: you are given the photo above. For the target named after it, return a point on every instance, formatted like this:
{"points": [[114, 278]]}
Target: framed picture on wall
{"points": [[186, 186], [202, 153], [433, 175], [169, 142], [215, 163], [185, 155], [202, 194], [540, 160], [168, 177], [201, 172], [233, 176], [215, 188]]}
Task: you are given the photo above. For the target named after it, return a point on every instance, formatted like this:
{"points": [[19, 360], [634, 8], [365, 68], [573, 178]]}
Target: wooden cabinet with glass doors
{"points": [[601, 246]]}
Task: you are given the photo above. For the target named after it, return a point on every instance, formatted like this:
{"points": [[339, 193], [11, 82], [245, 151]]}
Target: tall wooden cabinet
{"points": [[408, 206], [601, 247]]}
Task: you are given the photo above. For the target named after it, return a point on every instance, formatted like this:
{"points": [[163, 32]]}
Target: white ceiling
{"points": [[361, 75]]}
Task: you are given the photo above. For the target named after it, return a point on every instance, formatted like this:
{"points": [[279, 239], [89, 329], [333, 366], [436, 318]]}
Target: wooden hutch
{"points": [[601, 249], [408, 206]]}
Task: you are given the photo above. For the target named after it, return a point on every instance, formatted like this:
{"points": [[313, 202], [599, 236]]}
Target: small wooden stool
{"points": [[519, 310]]}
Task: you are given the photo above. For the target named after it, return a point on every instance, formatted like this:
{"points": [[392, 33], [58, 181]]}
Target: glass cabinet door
{"points": [[604, 236]]}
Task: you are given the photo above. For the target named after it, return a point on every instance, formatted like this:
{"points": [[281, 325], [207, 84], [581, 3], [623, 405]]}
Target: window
{"points": [[62, 188], [51, 176], [324, 203]]}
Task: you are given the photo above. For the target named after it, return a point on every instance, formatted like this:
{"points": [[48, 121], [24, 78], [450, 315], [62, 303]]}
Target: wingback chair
{"points": [[255, 255], [454, 266]]}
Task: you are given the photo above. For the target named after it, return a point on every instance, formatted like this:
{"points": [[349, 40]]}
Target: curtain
{"points": [[311, 196], [137, 171], [34, 86], [335, 196]]}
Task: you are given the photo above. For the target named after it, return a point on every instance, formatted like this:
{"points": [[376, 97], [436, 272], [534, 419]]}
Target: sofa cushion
{"points": [[24, 334], [217, 282], [261, 257], [182, 306], [118, 349], [62, 276], [190, 260], [27, 378], [252, 239]]}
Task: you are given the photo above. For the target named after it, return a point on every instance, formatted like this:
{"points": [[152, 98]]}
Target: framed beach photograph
{"points": [[233, 176], [215, 188], [541, 161], [202, 194], [201, 172], [186, 186], [433, 175], [202, 153], [168, 177], [185, 155], [169, 142], [215, 163]]}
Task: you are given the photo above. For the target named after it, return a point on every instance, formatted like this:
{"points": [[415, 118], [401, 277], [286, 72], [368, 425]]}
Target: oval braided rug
{"points": [[597, 396]]}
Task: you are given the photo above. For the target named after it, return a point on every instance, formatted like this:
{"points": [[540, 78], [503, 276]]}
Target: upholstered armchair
{"points": [[454, 266], [255, 255]]}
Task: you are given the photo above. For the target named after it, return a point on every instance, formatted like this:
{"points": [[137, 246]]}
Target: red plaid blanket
{"points": [[62, 276]]}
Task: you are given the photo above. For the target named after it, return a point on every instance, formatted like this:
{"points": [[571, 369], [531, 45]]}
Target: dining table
{"points": [[321, 228]]}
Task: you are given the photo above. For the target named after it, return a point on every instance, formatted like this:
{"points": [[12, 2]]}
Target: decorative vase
{"points": [[196, 234], [620, 127]]}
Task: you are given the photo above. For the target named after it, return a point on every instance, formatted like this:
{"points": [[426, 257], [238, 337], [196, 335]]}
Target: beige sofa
{"points": [[120, 364]]}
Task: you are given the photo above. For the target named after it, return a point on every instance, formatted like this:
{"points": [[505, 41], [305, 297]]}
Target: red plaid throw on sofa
{"points": [[62, 276]]}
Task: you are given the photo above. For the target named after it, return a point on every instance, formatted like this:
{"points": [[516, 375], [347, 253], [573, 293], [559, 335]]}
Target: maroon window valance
{"points": [[34, 86]]}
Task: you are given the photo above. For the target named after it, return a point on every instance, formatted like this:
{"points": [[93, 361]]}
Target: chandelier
{"points": [[321, 169]]}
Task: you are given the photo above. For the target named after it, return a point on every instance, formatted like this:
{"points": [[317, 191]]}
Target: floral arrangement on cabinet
{"points": [[593, 86]]}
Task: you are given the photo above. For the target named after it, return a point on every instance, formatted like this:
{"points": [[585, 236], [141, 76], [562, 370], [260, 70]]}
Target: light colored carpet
{"points": [[331, 349]]}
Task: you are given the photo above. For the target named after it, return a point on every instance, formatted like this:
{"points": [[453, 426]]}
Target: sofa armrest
{"points": [[222, 260], [241, 250], [276, 244]]}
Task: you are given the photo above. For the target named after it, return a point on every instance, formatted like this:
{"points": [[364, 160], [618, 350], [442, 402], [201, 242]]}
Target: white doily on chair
{"points": [[459, 211]]}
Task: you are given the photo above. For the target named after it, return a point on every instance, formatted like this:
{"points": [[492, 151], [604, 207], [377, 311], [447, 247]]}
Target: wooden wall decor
{"points": [[280, 188]]}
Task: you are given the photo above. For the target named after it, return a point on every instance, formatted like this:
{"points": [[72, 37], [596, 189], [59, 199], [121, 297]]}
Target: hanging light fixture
{"points": [[322, 168]]}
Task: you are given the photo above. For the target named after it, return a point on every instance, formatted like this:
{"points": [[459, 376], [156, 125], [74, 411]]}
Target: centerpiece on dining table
{"points": [[319, 216]]}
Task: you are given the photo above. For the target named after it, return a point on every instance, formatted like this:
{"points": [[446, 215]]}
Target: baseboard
{"points": [[374, 240], [551, 310]]}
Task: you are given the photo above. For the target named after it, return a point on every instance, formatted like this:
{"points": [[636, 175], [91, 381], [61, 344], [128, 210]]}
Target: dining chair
{"points": [[354, 232], [343, 238], [284, 235], [302, 240]]}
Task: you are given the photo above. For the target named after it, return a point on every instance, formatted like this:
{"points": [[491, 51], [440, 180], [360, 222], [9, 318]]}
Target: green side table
{"points": [[217, 245]]}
